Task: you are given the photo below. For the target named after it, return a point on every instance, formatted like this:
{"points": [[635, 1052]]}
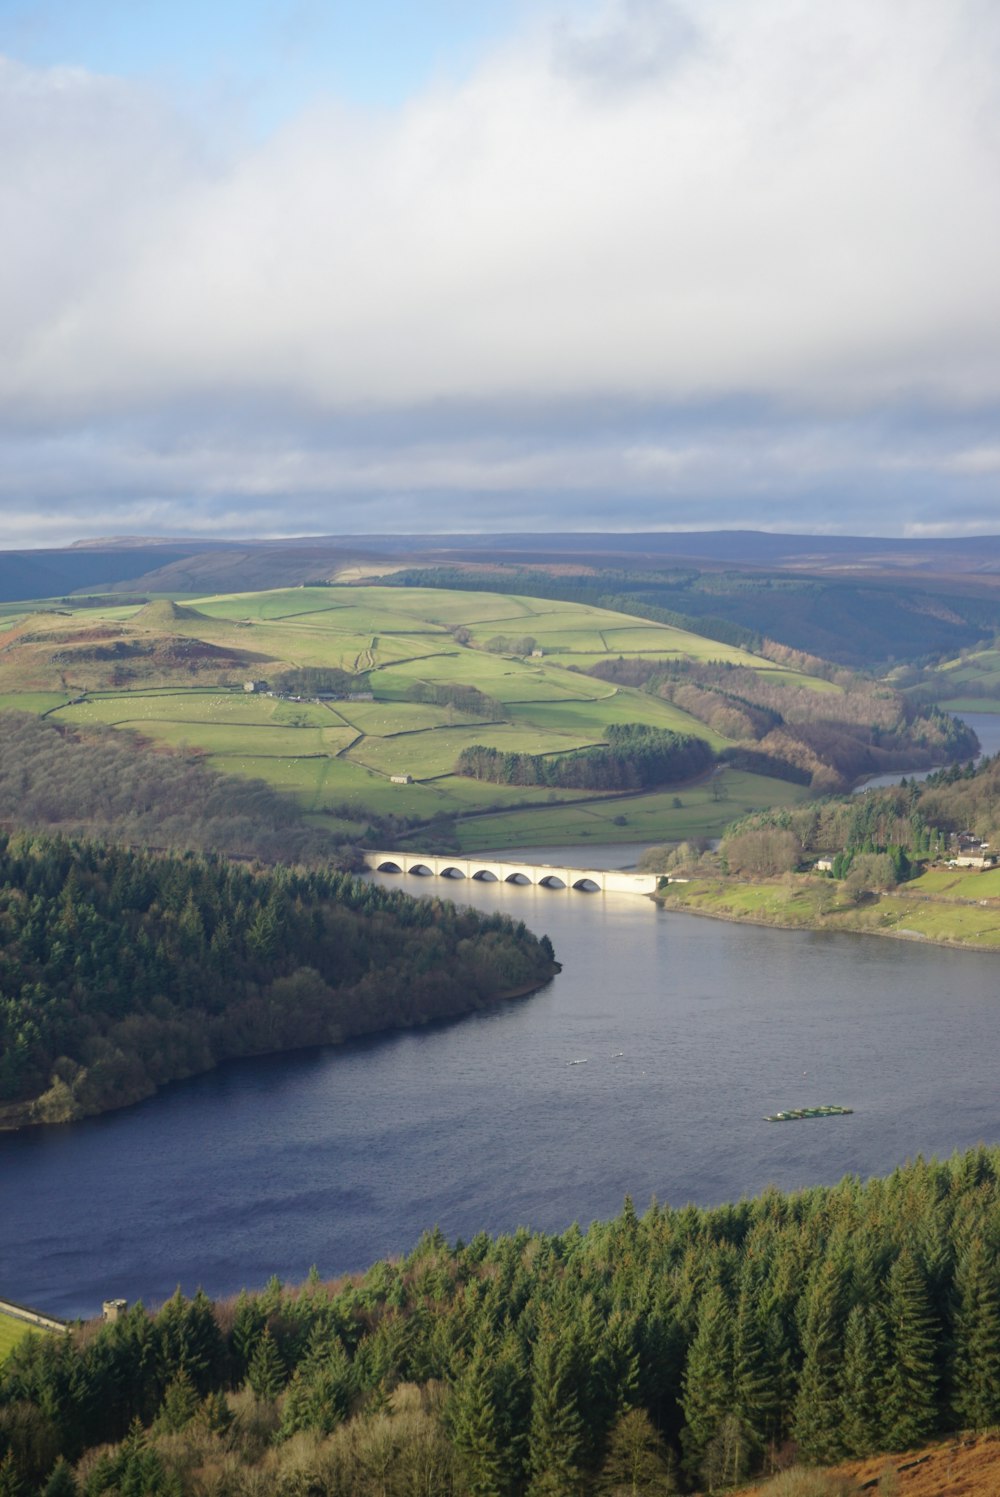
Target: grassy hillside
{"points": [[968, 683], [866, 616], [12, 1333], [174, 671], [954, 909]]}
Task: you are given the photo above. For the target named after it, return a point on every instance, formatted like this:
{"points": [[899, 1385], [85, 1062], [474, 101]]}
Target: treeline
{"points": [[635, 758], [510, 644], [856, 622], [633, 596], [320, 680], [120, 970], [684, 1348], [827, 739], [467, 699], [101, 782], [907, 823]]}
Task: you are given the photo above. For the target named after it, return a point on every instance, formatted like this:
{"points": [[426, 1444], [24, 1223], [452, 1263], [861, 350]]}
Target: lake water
{"points": [[341, 1156], [985, 725]]}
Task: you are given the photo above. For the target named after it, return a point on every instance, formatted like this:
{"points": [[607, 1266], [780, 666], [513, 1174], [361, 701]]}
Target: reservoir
{"points": [[985, 725], [646, 1067]]}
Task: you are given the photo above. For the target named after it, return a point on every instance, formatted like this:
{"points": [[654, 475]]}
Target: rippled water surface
{"points": [[341, 1156]]}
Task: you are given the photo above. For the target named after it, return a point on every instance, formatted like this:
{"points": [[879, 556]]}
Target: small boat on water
{"points": [[582, 1062], [808, 1112]]}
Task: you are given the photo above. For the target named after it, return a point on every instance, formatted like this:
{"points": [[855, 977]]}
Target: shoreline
{"points": [[865, 920], [16, 1117]]}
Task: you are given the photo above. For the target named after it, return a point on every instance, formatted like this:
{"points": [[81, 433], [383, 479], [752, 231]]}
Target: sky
{"points": [[291, 267]]}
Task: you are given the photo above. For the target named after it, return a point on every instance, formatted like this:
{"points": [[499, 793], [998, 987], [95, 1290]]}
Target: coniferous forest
{"points": [[635, 758], [121, 970], [648, 1354]]}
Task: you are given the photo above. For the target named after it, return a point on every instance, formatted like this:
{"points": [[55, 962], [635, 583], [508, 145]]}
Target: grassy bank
{"points": [[945, 907], [13, 1332], [676, 815]]}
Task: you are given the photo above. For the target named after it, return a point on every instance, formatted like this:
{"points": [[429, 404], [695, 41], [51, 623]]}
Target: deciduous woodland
{"points": [[824, 739], [914, 818], [121, 970], [119, 787], [686, 1347]]}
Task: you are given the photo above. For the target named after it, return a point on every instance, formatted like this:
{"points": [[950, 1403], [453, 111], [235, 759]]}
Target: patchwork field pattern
{"points": [[175, 672]]}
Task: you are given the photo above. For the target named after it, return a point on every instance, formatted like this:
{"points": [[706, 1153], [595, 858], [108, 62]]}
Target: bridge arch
{"points": [[489, 870]]}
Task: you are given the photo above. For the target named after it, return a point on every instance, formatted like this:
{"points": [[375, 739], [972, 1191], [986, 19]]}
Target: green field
{"points": [[32, 701], [152, 670], [13, 1332], [818, 904], [970, 680], [640, 818], [970, 704]]}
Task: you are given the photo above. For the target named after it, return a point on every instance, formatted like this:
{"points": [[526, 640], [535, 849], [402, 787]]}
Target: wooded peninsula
{"points": [[121, 970]]}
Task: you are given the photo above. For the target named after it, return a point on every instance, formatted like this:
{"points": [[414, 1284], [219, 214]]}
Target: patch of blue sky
{"points": [[277, 56]]}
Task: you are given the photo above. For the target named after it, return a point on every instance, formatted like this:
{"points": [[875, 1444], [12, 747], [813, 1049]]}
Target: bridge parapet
{"points": [[610, 881]]}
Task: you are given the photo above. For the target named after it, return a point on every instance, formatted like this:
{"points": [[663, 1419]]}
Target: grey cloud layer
{"points": [[679, 206]]}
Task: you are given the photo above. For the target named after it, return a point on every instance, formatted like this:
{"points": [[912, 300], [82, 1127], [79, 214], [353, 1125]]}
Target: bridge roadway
{"points": [[608, 881]]}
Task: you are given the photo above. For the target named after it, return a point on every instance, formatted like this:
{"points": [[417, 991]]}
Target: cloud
{"points": [[667, 209]]}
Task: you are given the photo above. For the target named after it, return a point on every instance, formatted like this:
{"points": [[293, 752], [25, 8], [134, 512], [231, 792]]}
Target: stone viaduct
{"points": [[590, 880]]}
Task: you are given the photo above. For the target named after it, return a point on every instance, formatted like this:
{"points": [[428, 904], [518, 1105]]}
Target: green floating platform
{"points": [[808, 1112]]}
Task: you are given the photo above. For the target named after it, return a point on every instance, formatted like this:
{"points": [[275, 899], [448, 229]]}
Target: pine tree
{"points": [[248, 1326], [180, 1403], [816, 1416], [476, 1429], [556, 1433], [319, 1395], [911, 1408], [215, 1414], [756, 1396], [266, 1373], [11, 1482], [863, 1381], [707, 1383], [976, 1364], [62, 1482]]}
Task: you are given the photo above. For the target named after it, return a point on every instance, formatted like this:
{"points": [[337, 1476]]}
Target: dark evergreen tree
{"points": [[12, 1483], [863, 1380], [180, 1402], [62, 1482], [556, 1431], [477, 1428], [756, 1379], [266, 1373], [976, 1366], [911, 1392], [816, 1422], [708, 1386]]}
